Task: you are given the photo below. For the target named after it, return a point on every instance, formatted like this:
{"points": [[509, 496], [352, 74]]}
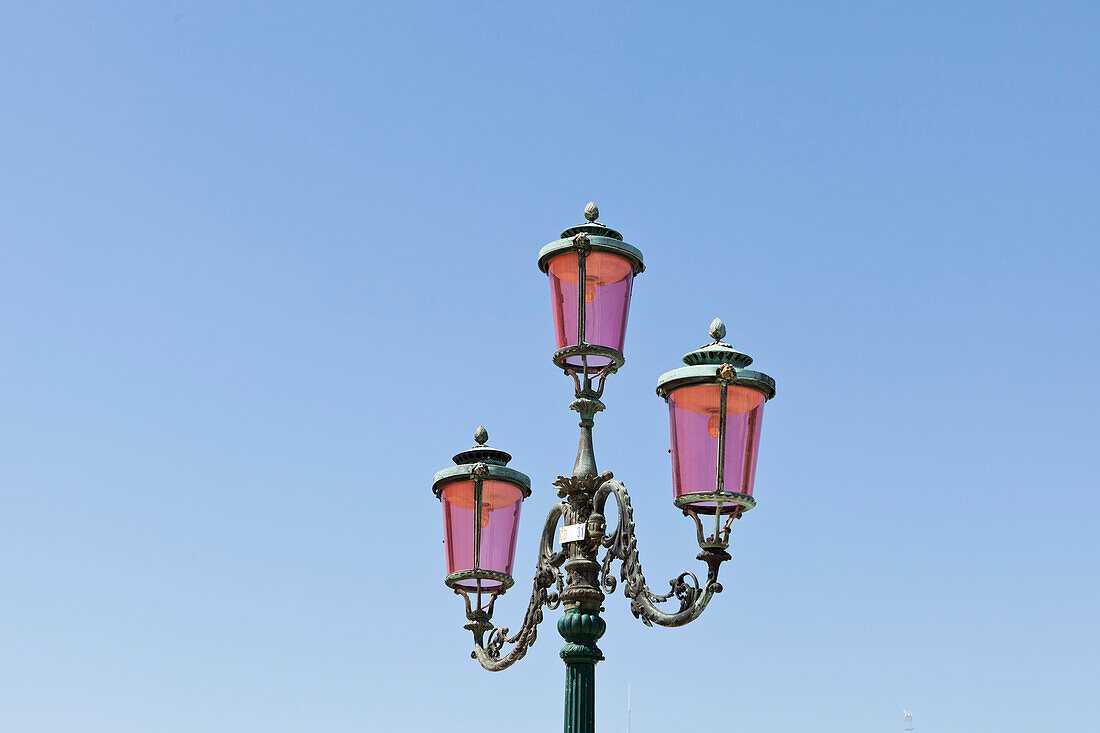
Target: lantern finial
{"points": [[482, 453], [591, 211], [717, 330]]}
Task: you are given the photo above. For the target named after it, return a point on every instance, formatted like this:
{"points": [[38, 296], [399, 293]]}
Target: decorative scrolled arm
{"points": [[623, 545], [547, 576]]}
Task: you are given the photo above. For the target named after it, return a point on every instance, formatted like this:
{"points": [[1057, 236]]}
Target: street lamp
{"points": [[715, 409]]}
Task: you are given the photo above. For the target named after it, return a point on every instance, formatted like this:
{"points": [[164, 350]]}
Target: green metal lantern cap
{"points": [[483, 461], [598, 238], [716, 362], [591, 226], [482, 453], [717, 352]]}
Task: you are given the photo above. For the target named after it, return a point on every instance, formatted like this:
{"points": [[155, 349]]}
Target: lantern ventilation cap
{"points": [[482, 453], [593, 227], [717, 352]]}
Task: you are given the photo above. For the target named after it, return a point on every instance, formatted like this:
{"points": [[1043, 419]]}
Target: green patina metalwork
{"points": [[464, 473], [616, 357], [713, 363], [454, 579], [734, 500], [574, 577], [705, 374], [581, 630], [600, 239]]}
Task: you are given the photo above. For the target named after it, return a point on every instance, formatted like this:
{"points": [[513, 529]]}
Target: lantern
{"points": [[591, 272], [481, 500], [715, 408]]}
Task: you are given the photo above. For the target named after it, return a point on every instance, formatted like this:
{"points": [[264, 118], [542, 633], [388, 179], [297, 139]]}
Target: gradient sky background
{"points": [[263, 269]]}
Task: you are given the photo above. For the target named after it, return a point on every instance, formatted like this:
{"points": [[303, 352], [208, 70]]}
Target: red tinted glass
{"points": [[694, 424], [496, 523], [608, 280]]}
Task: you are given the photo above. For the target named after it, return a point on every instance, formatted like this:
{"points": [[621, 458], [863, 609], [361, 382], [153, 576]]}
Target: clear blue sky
{"points": [[263, 269]]}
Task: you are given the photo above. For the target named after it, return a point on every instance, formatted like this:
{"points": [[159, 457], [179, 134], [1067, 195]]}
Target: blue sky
{"points": [[263, 269]]}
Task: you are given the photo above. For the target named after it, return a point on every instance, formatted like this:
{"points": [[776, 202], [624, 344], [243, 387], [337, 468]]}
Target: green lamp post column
{"points": [[580, 628]]}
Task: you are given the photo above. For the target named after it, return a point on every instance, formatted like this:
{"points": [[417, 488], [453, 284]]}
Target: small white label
{"points": [[571, 533]]}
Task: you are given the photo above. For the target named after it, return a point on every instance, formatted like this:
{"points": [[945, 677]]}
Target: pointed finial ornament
{"points": [[481, 435], [717, 329], [591, 211]]}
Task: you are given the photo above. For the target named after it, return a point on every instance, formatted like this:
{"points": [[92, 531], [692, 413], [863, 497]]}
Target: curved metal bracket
{"points": [[623, 545], [583, 380], [547, 576]]}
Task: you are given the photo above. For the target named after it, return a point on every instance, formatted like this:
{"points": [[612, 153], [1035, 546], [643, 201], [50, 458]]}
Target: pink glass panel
{"points": [[496, 522], [694, 424], [608, 280]]}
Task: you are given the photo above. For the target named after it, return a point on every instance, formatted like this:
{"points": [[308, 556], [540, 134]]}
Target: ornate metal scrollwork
{"points": [[622, 544], [548, 575], [583, 485], [591, 493]]}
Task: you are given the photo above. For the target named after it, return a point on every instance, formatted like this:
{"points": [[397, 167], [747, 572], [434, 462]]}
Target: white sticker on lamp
{"points": [[571, 533]]}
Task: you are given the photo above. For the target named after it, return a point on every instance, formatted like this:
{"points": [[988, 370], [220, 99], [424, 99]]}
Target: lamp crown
{"points": [[482, 453], [717, 352], [597, 229]]}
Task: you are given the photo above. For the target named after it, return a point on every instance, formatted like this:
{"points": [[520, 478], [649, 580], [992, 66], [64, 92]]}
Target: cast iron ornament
{"points": [[575, 576]]}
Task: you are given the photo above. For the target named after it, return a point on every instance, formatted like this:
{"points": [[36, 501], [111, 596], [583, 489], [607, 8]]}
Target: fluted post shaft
{"points": [[580, 629]]}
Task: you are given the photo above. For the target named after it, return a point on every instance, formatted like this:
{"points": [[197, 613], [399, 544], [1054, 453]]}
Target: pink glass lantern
{"points": [[715, 408], [481, 500], [695, 425], [591, 272], [480, 520]]}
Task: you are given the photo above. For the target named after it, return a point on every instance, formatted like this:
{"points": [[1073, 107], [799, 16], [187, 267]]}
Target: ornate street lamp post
{"points": [[715, 408]]}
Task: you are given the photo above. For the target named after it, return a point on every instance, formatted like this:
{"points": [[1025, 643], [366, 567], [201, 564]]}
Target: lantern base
{"points": [[466, 580], [605, 355], [726, 502]]}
